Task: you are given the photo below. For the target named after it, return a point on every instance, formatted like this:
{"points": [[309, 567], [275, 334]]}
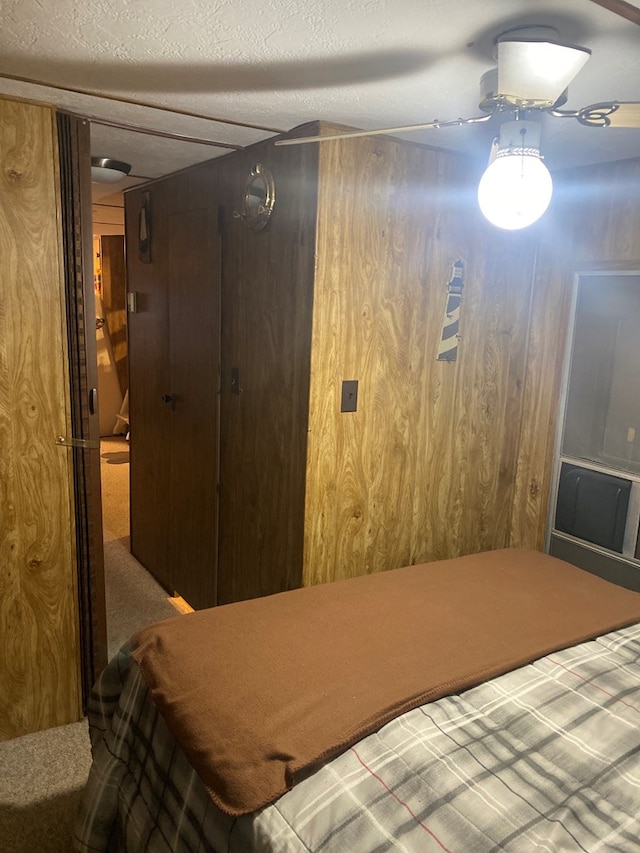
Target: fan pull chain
{"points": [[523, 133]]}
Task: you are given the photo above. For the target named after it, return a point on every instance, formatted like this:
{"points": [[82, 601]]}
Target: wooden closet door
{"points": [[39, 630], [149, 379], [192, 401], [267, 299], [174, 374]]}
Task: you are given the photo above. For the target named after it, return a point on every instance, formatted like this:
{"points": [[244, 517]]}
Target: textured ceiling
{"points": [[274, 64]]}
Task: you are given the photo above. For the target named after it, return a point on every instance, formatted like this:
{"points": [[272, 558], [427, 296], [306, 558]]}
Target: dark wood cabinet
{"points": [[267, 303], [149, 379], [222, 334], [174, 336], [191, 399]]}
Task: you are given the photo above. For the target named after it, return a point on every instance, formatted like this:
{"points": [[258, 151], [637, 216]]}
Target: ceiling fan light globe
{"points": [[515, 190]]}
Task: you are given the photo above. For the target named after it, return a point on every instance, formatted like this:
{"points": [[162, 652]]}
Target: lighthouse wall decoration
{"points": [[448, 344]]}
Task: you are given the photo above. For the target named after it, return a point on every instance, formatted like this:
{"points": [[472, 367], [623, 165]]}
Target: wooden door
{"points": [[267, 297], [194, 322], [173, 381], [39, 663], [149, 379]]}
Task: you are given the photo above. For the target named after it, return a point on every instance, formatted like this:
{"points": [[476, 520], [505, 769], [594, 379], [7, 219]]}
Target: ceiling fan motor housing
{"points": [[492, 100], [533, 72]]}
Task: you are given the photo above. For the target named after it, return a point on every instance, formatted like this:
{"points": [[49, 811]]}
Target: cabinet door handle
{"points": [[235, 381]]}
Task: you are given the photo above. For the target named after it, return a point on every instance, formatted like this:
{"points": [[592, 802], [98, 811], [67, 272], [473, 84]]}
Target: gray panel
{"points": [[596, 562]]}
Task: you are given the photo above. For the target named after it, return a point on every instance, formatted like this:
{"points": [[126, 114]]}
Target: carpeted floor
{"points": [[134, 599], [42, 774], [41, 780]]}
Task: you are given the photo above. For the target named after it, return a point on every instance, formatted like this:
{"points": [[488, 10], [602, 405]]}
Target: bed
{"points": [[489, 702]]}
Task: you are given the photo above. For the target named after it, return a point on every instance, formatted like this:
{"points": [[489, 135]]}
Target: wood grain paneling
{"points": [[371, 314], [593, 224], [150, 378], [39, 665], [469, 468], [424, 469], [267, 295], [114, 301], [499, 329], [194, 333], [174, 349]]}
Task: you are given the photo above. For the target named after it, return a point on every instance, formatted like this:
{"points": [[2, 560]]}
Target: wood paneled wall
{"points": [[440, 459], [39, 661], [425, 468], [593, 224], [114, 301]]}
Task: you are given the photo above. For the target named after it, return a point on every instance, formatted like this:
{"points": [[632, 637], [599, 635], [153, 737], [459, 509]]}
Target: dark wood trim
{"points": [[75, 188], [619, 7]]}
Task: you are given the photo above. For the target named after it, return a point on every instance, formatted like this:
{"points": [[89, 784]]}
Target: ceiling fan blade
{"points": [[620, 7], [407, 128], [537, 72], [611, 114]]}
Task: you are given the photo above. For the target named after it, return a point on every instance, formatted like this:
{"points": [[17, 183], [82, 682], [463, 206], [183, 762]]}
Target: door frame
{"points": [[77, 239]]}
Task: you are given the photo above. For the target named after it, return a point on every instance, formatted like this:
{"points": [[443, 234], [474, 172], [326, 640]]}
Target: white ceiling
{"points": [[274, 64]]}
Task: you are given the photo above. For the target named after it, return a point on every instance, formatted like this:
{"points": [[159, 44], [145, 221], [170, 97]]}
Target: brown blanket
{"points": [[259, 692]]}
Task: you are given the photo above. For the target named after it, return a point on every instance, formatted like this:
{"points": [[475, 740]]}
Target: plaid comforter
{"points": [[546, 757]]}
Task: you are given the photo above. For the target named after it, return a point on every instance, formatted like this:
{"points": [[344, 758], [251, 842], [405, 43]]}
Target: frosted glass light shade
{"points": [[515, 189], [538, 71], [106, 170]]}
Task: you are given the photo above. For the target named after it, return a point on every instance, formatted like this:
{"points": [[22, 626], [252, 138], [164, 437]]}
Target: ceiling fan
{"points": [[533, 72]]}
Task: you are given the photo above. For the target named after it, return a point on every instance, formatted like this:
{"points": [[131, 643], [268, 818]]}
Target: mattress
{"points": [[542, 756]]}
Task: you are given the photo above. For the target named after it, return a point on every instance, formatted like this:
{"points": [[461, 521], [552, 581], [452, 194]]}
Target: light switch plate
{"points": [[349, 400]]}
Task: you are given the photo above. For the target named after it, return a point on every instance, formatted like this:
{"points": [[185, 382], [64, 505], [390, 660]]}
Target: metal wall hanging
{"points": [[259, 198], [144, 230], [448, 345]]}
